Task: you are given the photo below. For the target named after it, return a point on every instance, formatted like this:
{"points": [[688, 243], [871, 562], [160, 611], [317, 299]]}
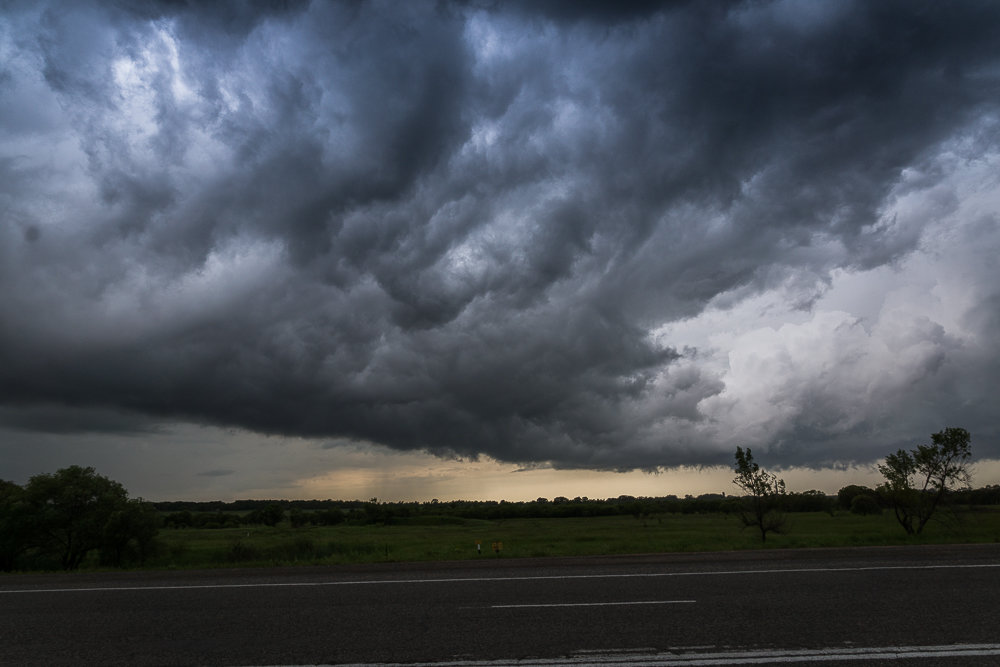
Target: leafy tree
{"points": [[15, 525], [129, 534], [273, 514], [845, 497], [864, 504], [808, 501], [330, 517], [182, 519], [761, 506], [987, 495], [269, 515], [918, 482], [298, 518], [70, 510]]}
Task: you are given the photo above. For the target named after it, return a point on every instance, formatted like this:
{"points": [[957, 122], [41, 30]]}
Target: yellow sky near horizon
{"points": [[423, 480], [239, 465]]}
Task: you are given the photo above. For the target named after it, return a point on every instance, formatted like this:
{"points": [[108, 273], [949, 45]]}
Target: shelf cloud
{"points": [[549, 233]]}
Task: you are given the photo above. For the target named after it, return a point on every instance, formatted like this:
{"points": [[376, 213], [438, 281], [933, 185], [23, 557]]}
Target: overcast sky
{"points": [[255, 252]]}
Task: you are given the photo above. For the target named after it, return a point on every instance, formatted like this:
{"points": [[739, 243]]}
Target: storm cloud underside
{"points": [[548, 233]]}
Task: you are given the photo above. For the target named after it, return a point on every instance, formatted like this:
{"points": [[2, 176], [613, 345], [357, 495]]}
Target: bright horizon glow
{"points": [[238, 465], [414, 480]]}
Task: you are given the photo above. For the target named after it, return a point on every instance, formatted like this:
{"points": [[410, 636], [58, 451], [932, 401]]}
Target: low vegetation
{"points": [[75, 518], [410, 540]]}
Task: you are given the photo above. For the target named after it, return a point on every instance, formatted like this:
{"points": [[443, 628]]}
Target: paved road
{"points": [[891, 606]]}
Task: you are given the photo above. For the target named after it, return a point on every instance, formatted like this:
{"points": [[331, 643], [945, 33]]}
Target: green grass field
{"points": [[454, 539]]}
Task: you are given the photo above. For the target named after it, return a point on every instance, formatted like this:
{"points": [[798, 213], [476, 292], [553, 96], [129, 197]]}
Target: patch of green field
{"points": [[454, 539]]}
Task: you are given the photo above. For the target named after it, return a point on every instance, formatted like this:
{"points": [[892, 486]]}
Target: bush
{"points": [[301, 548], [864, 504], [846, 496], [241, 552]]}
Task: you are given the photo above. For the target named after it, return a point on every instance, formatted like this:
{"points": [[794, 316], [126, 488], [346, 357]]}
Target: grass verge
{"points": [[456, 540]]}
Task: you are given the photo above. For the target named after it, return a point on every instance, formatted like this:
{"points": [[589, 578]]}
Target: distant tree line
{"points": [[57, 520], [214, 514], [918, 483], [411, 513]]}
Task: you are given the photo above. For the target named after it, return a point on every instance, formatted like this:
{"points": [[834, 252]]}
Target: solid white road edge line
{"points": [[770, 657]]}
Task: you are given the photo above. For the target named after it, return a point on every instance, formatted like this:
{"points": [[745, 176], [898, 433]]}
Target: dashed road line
{"points": [[589, 604]]}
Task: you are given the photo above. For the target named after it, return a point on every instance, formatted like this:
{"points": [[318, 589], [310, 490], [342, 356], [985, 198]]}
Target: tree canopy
{"points": [[59, 518], [761, 506], [917, 482]]}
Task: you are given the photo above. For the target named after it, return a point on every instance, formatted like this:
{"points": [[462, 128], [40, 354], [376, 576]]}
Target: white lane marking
{"points": [[560, 577], [758, 657], [589, 604]]}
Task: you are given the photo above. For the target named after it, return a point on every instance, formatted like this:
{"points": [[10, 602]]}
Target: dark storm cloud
{"points": [[456, 227], [216, 473], [69, 419]]}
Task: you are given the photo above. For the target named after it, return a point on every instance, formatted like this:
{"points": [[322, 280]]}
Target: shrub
{"points": [[847, 494], [864, 504], [241, 552]]}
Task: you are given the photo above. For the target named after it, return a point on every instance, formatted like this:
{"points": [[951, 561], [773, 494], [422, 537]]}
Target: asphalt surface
{"points": [[893, 605]]}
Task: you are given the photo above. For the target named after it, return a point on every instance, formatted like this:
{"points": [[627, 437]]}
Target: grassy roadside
{"points": [[451, 540]]}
